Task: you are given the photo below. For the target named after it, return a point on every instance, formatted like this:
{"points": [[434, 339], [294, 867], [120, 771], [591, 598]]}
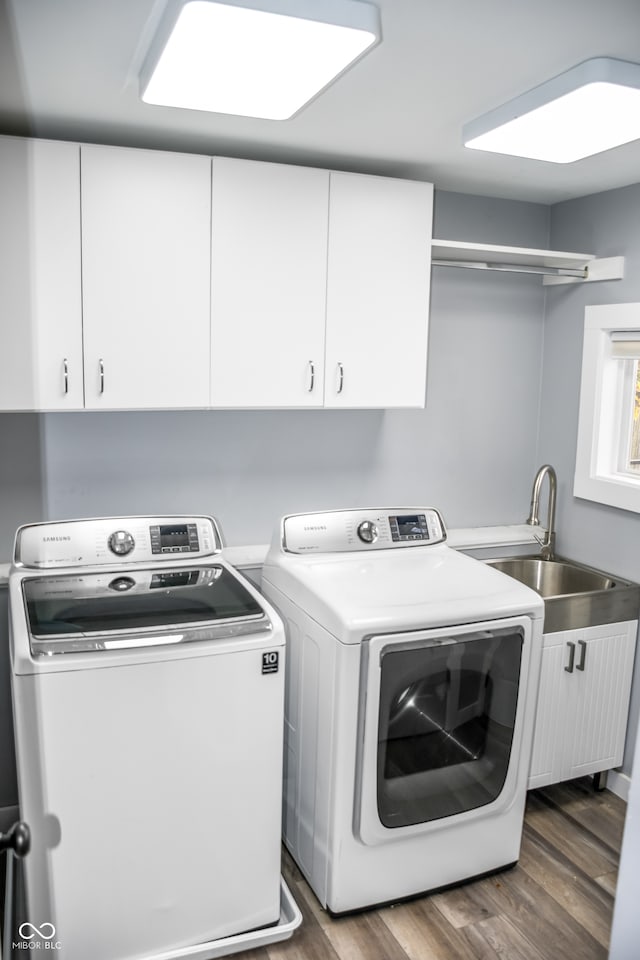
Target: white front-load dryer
{"points": [[412, 674]]}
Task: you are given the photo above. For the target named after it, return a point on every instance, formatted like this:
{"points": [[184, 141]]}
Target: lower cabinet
{"points": [[583, 702]]}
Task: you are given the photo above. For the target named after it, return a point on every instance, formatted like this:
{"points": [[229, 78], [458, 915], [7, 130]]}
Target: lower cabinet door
{"points": [[600, 699], [583, 702], [546, 756]]}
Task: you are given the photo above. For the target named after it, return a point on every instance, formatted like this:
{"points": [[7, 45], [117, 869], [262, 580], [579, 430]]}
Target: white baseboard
{"points": [[619, 784]]}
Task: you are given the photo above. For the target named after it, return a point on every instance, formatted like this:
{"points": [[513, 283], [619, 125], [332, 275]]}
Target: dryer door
{"points": [[441, 726]]}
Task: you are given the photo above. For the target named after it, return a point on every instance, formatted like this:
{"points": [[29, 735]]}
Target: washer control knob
{"points": [[367, 531], [121, 543]]}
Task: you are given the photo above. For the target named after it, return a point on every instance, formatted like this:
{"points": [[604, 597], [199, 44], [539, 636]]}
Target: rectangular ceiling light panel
{"points": [[255, 58], [591, 108]]}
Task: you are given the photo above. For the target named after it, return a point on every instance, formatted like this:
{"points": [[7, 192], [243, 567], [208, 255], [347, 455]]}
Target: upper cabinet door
{"points": [[146, 273], [41, 316], [269, 251], [377, 291]]}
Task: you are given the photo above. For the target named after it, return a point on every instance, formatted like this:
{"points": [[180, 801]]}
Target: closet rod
{"points": [[514, 268]]}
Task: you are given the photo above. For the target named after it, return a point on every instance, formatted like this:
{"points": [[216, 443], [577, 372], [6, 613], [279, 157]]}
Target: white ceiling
{"points": [[68, 70]]}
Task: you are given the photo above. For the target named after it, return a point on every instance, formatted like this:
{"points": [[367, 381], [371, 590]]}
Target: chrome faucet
{"points": [[548, 542]]}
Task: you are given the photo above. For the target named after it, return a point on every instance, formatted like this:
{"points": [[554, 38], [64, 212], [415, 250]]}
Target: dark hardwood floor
{"points": [[557, 902]]}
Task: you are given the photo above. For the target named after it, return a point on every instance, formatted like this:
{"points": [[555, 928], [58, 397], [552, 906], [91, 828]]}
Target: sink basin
{"points": [[553, 578], [574, 595]]}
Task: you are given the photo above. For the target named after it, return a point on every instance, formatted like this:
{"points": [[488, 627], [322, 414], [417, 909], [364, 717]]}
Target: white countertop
{"points": [[462, 538]]}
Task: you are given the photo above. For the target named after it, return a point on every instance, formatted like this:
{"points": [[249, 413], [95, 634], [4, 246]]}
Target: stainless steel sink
{"points": [[553, 578], [575, 595]]}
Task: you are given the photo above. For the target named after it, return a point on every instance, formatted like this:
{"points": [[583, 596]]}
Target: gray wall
{"points": [[471, 452], [21, 475], [606, 224]]}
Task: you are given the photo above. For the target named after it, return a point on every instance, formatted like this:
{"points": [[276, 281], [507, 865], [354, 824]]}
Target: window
{"points": [[608, 453]]}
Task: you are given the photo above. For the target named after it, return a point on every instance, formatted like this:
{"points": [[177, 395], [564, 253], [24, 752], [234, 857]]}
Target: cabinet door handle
{"points": [[101, 366], [583, 654], [312, 376], [572, 656], [65, 375], [340, 378]]}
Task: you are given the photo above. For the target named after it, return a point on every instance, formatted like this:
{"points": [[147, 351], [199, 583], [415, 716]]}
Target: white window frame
{"points": [[599, 428]]}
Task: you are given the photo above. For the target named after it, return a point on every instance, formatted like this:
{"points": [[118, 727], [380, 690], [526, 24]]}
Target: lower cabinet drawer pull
{"points": [[572, 656], [583, 654]]}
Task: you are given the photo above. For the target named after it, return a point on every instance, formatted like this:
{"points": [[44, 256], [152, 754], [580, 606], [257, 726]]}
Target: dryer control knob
{"points": [[121, 543], [367, 531]]}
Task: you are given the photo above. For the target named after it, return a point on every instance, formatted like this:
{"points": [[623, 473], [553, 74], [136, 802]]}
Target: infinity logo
{"points": [[37, 931]]}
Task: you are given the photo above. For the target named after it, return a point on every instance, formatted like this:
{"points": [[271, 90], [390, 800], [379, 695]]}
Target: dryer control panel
{"points": [[340, 531], [111, 540]]}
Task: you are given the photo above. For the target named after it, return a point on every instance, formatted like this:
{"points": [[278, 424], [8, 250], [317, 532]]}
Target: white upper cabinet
{"points": [[379, 267], [41, 319], [146, 270], [140, 279], [320, 287], [268, 283]]}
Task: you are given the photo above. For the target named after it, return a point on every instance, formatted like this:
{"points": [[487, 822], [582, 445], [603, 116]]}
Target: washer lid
{"points": [[354, 594], [109, 609]]}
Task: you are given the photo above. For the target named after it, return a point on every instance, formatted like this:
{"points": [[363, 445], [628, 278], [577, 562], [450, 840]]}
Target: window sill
{"points": [[614, 491]]}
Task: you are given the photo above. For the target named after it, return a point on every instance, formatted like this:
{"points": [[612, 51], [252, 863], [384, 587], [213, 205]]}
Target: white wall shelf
{"points": [[554, 266]]}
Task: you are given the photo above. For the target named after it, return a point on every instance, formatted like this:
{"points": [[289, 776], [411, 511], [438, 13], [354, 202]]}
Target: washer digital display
{"points": [[174, 538], [409, 527]]}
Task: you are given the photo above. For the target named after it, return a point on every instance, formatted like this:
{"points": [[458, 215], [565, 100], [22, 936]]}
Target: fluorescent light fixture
{"points": [[254, 58], [592, 107]]}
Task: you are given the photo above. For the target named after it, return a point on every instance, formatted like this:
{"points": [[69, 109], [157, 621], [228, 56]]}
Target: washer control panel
{"points": [[339, 531], [89, 543]]}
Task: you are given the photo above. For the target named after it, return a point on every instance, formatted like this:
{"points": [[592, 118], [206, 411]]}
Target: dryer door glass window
{"points": [[445, 724]]}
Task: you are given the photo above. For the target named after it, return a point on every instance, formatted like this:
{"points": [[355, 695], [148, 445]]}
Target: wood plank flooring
{"points": [[556, 903]]}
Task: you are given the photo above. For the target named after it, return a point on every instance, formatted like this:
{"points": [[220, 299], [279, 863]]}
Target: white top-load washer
{"points": [[148, 689], [412, 674]]}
